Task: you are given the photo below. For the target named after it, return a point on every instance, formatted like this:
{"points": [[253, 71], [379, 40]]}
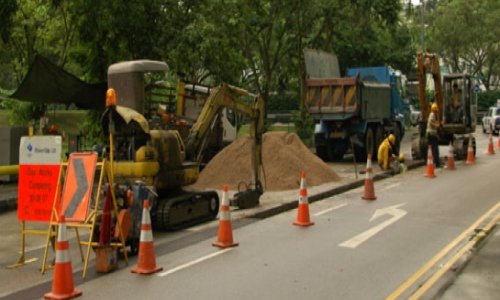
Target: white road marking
{"points": [[191, 263], [364, 236], [330, 209], [391, 186]]}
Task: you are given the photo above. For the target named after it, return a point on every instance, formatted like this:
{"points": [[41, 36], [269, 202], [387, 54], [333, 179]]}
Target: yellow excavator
{"points": [[159, 159], [457, 123]]}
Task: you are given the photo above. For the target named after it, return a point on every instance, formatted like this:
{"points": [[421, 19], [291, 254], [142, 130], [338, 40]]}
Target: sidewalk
{"points": [[477, 276]]}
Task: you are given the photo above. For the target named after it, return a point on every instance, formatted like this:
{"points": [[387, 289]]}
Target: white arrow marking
{"points": [[394, 211]]}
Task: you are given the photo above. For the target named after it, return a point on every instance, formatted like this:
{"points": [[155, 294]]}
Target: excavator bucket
{"points": [[247, 199]]}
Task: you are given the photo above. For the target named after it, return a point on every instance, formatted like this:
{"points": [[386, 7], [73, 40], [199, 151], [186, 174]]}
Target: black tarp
{"points": [[48, 83]]}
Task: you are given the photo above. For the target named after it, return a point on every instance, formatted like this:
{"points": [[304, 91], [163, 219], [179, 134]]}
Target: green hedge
{"points": [[283, 102], [487, 99]]}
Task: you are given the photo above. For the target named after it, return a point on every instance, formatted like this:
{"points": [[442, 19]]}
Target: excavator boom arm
{"points": [[229, 97]]}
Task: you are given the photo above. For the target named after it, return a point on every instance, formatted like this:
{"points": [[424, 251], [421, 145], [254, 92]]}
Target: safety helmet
{"points": [[434, 107], [392, 138], [401, 157]]}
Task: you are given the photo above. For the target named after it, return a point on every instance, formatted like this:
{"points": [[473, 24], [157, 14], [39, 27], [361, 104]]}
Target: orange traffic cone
{"points": [[451, 158], [470, 152], [430, 164], [303, 209], [369, 188], [62, 286], [225, 232], [146, 260], [491, 149]]}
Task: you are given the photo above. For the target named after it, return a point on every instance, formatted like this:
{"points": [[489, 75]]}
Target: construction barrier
{"points": [[76, 205], [146, 260], [369, 193], [303, 218], [225, 232]]}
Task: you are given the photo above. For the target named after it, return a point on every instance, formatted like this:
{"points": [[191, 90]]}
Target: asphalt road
{"points": [[278, 260]]}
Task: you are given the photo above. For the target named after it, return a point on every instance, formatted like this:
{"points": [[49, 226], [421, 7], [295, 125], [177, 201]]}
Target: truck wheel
{"points": [[321, 148], [337, 149], [360, 152]]}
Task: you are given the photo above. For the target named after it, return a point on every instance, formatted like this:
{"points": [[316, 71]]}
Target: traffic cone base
{"points": [[303, 216], [470, 153], [450, 165], [369, 191], [225, 231], [225, 235], [62, 286], [146, 259], [430, 164], [146, 264], [490, 150], [75, 293]]}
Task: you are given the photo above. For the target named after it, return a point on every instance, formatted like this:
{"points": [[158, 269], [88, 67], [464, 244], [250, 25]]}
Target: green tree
{"points": [[465, 34]]}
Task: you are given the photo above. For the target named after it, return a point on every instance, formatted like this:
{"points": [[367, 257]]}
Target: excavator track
{"points": [[185, 209]]}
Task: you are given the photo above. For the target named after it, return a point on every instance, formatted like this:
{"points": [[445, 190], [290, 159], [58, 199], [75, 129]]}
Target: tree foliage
{"points": [[256, 44], [465, 34]]}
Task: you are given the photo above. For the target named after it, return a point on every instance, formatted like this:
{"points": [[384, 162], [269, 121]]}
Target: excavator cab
{"points": [[459, 107]]}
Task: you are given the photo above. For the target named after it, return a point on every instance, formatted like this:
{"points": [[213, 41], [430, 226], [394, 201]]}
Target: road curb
{"points": [[326, 194]]}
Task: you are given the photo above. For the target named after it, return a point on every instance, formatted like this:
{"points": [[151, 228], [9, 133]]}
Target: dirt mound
{"points": [[284, 157]]}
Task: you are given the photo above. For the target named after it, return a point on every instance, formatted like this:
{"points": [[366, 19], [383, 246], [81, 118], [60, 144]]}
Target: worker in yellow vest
{"points": [[386, 152]]}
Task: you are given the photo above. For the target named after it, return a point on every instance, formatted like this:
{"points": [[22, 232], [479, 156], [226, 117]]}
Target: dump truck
{"points": [[457, 125], [353, 113], [159, 158]]}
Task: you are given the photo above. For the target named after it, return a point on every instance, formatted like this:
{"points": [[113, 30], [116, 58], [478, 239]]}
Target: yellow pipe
{"points": [[9, 170], [135, 169]]}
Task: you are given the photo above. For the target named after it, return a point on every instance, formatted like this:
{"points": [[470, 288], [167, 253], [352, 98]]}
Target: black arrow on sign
{"points": [[81, 187]]}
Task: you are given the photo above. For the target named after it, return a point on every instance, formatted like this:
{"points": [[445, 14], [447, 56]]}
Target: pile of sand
{"points": [[284, 157]]}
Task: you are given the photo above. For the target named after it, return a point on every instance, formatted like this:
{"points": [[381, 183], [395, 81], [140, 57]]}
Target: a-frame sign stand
{"points": [[76, 205], [39, 164]]}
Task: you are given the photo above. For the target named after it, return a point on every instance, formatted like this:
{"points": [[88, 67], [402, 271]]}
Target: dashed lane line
{"points": [[330, 209], [193, 262]]}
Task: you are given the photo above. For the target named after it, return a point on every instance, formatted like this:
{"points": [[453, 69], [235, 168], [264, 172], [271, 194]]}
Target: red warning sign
{"points": [[39, 166], [78, 184]]}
